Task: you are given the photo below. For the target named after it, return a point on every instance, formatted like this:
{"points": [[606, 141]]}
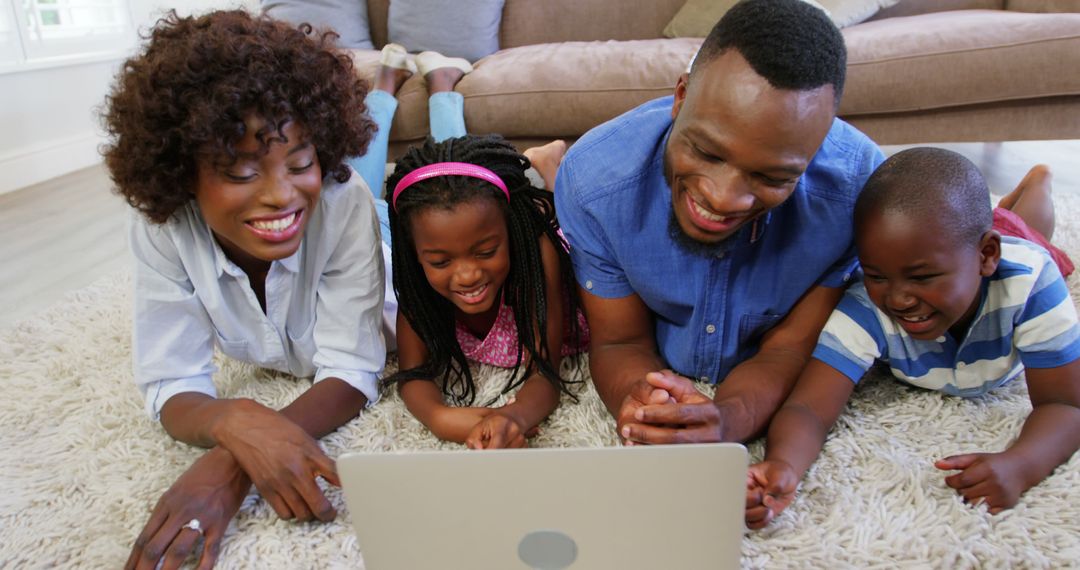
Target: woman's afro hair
{"points": [[184, 99]]}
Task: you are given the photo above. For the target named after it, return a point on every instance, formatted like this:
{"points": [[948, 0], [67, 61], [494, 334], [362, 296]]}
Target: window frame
{"points": [[29, 46]]}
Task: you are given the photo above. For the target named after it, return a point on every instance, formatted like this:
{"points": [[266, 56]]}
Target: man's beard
{"points": [[690, 245]]}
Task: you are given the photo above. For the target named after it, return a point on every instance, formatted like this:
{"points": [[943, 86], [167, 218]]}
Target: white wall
{"points": [[48, 116]]}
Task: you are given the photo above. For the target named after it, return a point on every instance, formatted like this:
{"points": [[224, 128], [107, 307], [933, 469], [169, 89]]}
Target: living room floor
{"points": [[63, 234]]}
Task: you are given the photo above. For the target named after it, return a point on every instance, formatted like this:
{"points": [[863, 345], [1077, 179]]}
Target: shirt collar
{"points": [[221, 262], [759, 225]]}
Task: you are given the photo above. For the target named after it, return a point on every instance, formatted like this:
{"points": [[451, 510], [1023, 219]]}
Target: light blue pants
{"points": [[446, 112]]}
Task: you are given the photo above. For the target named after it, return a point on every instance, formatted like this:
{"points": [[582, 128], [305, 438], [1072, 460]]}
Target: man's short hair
{"points": [[939, 187], [791, 43]]}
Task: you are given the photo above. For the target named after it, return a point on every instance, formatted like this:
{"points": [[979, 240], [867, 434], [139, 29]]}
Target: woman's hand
{"points": [[281, 459], [210, 491]]}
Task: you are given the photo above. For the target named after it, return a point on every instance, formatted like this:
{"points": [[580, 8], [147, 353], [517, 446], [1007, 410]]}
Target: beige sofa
{"points": [[920, 71]]}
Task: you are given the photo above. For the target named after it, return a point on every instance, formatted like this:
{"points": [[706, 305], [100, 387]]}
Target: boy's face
{"points": [[259, 206], [916, 273]]}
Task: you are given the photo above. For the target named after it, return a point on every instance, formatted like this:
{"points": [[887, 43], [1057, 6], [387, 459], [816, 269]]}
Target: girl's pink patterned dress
{"points": [[500, 346]]}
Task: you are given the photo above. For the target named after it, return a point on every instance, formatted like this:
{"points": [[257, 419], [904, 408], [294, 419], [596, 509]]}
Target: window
{"points": [[10, 48], [41, 31]]}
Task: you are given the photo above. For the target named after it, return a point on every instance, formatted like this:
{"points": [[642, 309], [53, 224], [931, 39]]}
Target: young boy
{"points": [[950, 305], [229, 137]]}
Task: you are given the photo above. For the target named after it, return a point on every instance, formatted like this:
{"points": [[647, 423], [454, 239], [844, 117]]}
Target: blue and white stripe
{"points": [[1026, 318]]}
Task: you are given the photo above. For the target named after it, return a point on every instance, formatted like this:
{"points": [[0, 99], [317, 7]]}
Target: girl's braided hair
{"points": [[530, 214]]}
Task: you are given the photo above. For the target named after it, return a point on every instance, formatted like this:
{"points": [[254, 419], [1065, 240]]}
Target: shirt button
{"points": [[847, 277], [960, 364], [704, 378], [710, 329], [588, 284]]}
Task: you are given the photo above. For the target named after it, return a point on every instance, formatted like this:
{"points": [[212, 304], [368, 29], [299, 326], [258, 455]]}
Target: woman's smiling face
{"points": [[258, 206]]}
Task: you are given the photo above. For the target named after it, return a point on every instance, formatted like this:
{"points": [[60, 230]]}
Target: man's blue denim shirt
{"points": [[614, 206]]}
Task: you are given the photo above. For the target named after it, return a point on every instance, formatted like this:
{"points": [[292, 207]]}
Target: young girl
{"points": [[481, 273], [229, 134]]}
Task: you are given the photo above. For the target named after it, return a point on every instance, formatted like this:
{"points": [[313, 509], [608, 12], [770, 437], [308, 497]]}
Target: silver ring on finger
{"points": [[194, 525]]}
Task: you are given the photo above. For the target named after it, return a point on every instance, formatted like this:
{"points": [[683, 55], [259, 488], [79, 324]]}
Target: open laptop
{"points": [[654, 507]]}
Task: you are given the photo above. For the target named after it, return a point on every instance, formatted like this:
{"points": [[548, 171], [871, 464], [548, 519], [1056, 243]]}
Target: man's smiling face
{"points": [[738, 145]]}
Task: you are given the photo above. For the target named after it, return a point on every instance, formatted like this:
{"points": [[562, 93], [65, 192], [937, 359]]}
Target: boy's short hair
{"points": [[934, 185], [791, 43], [184, 98]]}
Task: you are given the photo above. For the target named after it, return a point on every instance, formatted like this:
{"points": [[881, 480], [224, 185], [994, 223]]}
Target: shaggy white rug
{"points": [[82, 465]]}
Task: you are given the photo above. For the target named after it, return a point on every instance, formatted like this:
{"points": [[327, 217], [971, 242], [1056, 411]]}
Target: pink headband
{"points": [[447, 169]]}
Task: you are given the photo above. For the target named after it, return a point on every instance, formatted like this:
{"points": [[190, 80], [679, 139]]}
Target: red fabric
{"points": [[1007, 223]]}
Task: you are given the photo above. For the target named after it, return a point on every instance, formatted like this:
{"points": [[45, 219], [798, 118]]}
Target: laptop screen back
{"points": [[552, 508]]}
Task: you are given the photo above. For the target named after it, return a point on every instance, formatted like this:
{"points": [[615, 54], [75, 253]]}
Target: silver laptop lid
{"points": [[655, 507]]}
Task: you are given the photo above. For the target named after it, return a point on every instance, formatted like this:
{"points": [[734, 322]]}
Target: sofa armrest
{"points": [[530, 22]]}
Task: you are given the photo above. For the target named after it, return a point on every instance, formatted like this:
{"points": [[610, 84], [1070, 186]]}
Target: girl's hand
{"points": [[770, 488], [996, 479], [281, 459], [210, 491], [455, 424], [499, 430]]}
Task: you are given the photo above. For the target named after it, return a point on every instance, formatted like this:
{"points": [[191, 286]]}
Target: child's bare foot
{"points": [[440, 72], [546, 159], [1031, 200], [395, 66]]}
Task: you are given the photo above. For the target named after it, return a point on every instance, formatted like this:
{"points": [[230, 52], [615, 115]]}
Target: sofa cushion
{"points": [[698, 17], [349, 18], [462, 28], [913, 7], [565, 89], [531, 22], [1043, 5], [849, 12], [973, 56]]}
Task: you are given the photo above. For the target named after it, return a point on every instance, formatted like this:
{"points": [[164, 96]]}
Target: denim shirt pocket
{"points": [[752, 327]]}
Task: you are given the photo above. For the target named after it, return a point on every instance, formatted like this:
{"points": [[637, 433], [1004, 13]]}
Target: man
{"points": [[711, 232]]}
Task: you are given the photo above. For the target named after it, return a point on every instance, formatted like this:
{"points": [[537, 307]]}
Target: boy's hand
{"points": [[770, 488], [210, 491], [996, 479], [282, 460], [499, 430]]}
